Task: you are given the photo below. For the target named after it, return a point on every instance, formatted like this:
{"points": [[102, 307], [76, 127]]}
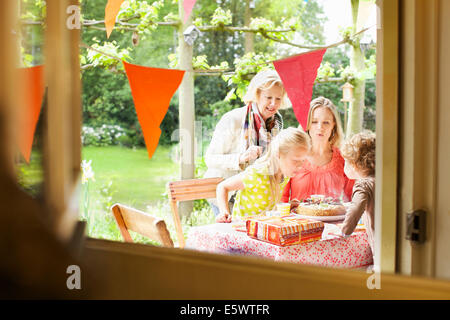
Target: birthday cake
{"points": [[319, 205]]}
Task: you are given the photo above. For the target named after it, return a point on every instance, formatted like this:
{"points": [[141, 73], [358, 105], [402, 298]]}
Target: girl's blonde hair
{"points": [[337, 135], [284, 141], [264, 80]]}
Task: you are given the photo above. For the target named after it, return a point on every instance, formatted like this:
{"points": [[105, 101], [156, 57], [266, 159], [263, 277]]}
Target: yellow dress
{"points": [[256, 197]]}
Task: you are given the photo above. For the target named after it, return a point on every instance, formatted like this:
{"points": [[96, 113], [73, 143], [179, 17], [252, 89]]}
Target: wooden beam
{"points": [[63, 118], [419, 72], [387, 135], [146, 272], [8, 85]]}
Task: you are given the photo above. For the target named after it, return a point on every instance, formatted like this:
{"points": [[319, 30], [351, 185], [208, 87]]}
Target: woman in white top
{"points": [[243, 134]]}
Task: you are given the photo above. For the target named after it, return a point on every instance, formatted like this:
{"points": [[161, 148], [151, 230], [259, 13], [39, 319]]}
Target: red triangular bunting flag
{"points": [[33, 87], [188, 5], [111, 10], [152, 89], [298, 74]]}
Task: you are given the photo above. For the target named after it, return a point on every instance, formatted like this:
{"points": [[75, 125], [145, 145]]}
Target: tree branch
{"points": [[240, 29], [301, 46], [83, 45], [124, 22]]}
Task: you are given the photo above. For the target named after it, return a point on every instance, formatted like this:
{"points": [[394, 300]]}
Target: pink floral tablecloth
{"points": [[331, 251]]}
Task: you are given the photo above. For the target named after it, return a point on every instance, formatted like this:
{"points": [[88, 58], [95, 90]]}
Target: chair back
{"points": [[147, 225], [186, 190], [193, 189]]}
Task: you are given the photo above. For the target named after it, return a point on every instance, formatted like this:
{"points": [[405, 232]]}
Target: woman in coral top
{"points": [[323, 170]]}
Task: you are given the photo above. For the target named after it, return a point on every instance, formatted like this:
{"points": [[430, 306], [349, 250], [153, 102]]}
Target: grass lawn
{"points": [[135, 179], [126, 176], [129, 177]]}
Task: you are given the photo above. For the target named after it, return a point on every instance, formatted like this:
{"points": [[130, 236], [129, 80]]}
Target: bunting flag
{"points": [[298, 74], [33, 84], [188, 5], [111, 10], [152, 89]]}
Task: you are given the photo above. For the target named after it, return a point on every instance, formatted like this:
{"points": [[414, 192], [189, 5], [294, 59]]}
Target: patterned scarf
{"points": [[256, 131]]}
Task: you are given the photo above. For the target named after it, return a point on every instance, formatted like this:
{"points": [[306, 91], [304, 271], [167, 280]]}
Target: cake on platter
{"points": [[319, 205]]}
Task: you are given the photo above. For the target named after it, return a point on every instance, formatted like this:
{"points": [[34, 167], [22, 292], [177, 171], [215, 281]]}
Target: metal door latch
{"points": [[416, 226]]}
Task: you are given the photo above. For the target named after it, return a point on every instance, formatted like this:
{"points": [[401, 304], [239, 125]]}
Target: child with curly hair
{"points": [[359, 155]]}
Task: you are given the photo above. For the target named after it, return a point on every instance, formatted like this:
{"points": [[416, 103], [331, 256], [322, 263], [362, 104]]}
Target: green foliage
{"points": [[31, 176], [106, 95], [107, 192], [106, 135], [305, 18], [221, 17], [262, 24], [33, 10], [200, 62], [147, 15], [98, 59], [27, 59], [32, 38], [245, 68], [325, 71], [199, 217]]}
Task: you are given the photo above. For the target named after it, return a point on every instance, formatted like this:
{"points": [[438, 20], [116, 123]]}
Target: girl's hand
{"points": [[223, 218], [294, 203], [250, 154]]}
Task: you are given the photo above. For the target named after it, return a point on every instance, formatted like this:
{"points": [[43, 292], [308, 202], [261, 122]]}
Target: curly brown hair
{"points": [[359, 150]]}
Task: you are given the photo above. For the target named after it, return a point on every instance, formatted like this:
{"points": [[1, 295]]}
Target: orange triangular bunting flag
{"points": [[151, 137], [152, 89], [111, 10], [33, 87]]}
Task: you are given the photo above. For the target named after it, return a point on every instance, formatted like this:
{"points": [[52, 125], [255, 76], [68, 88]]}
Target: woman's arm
{"points": [[230, 184]]}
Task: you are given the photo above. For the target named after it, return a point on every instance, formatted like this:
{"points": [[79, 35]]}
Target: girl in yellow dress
{"points": [[260, 185]]}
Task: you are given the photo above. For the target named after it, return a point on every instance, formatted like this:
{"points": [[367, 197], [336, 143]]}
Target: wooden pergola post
{"points": [[186, 108]]}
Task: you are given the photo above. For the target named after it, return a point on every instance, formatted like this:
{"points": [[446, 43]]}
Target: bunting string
{"points": [[232, 70]]}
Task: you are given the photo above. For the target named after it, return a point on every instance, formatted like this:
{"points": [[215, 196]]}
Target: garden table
{"points": [[331, 251]]}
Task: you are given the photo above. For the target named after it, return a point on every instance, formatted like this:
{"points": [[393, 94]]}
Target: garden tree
{"points": [[356, 110], [249, 37], [186, 107]]}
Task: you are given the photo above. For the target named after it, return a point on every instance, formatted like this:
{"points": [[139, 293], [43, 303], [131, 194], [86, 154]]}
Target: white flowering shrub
{"points": [[105, 135]]}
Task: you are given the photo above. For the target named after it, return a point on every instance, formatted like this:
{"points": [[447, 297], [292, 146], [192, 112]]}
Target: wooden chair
{"points": [[186, 190], [142, 223]]}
